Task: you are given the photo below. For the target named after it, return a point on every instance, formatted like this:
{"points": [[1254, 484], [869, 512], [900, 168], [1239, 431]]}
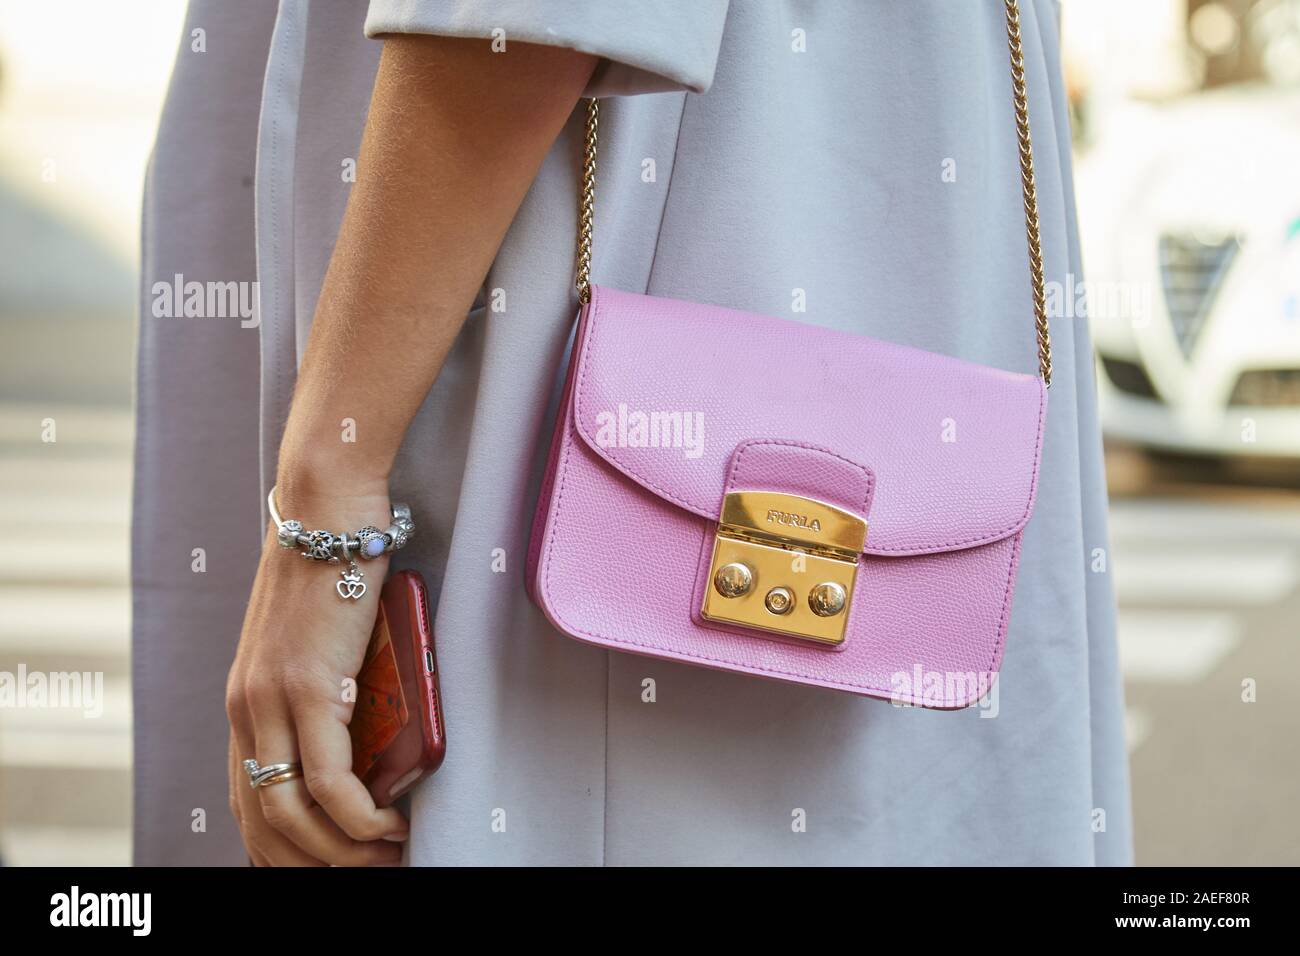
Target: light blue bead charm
{"points": [[372, 542]]}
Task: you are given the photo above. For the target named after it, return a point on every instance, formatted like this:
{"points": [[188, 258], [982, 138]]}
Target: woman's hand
{"points": [[286, 700], [454, 136]]}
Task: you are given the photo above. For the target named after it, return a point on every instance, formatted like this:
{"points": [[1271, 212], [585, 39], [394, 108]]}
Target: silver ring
{"points": [[259, 776], [284, 776]]}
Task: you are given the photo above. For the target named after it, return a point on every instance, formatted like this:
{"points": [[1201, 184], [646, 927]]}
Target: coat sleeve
{"points": [[649, 46]]}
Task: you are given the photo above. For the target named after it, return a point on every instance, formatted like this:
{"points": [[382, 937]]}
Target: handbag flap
{"points": [[666, 391]]}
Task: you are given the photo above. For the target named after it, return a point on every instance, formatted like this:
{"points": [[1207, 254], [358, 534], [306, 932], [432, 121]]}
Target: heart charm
{"points": [[351, 586]]}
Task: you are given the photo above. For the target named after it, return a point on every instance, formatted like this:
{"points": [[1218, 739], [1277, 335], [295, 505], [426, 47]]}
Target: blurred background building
{"points": [[1187, 124]]}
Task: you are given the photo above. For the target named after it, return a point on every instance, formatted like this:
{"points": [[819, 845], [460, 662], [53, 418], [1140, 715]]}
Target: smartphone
{"points": [[398, 731]]}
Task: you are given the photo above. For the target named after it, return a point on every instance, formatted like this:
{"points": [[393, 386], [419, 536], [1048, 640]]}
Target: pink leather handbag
{"points": [[831, 534]]}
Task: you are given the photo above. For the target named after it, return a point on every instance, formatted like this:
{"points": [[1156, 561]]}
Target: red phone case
{"points": [[397, 728]]}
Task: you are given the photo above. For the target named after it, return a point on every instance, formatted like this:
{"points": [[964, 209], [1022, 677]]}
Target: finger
{"points": [[315, 833], [234, 773], [259, 840], [265, 845], [288, 808], [327, 770]]}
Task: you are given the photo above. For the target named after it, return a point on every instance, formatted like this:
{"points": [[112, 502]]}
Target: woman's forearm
{"points": [[455, 135]]}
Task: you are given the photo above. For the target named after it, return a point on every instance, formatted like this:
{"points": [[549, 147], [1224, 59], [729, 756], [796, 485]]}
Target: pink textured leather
{"points": [[799, 468], [939, 455]]}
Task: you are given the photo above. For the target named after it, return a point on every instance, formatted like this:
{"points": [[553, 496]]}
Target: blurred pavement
{"points": [[1208, 580], [65, 784]]}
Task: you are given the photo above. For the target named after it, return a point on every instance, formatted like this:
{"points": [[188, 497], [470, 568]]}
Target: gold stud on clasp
{"points": [[826, 599], [733, 580]]}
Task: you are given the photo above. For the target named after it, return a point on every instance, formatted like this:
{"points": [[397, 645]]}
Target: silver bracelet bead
{"points": [[402, 529], [370, 542], [320, 545], [402, 518], [287, 533]]}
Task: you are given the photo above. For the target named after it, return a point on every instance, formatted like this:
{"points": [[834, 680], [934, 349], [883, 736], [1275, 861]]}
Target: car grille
{"points": [[1128, 377], [1278, 386], [1191, 271]]}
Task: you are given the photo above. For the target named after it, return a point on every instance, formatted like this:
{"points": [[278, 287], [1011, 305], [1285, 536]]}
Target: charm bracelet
{"points": [[336, 547]]}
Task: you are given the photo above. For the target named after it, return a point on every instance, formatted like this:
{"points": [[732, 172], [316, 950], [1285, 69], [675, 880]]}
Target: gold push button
{"points": [[733, 580], [826, 599]]}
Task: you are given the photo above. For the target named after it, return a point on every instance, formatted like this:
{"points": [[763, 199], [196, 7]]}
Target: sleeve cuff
{"points": [[645, 47]]}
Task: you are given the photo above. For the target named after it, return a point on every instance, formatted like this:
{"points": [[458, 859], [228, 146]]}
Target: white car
{"points": [[1190, 223]]}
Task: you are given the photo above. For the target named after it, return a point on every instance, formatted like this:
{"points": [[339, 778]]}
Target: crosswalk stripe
{"points": [[96, 556], [48, 511], [87, 620], [1221, 575], [60, 747], [1137, 727], [32, 475], [1174, 646], [66, 846], [23, 423], [108, 697], [66, 737], [1202, 523]]}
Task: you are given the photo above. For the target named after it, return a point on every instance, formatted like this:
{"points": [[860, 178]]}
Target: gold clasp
{"points": [[784, 564]]}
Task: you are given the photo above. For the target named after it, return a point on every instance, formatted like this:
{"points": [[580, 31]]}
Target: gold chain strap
{"points": [[587, 202], [1029, 191]]}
